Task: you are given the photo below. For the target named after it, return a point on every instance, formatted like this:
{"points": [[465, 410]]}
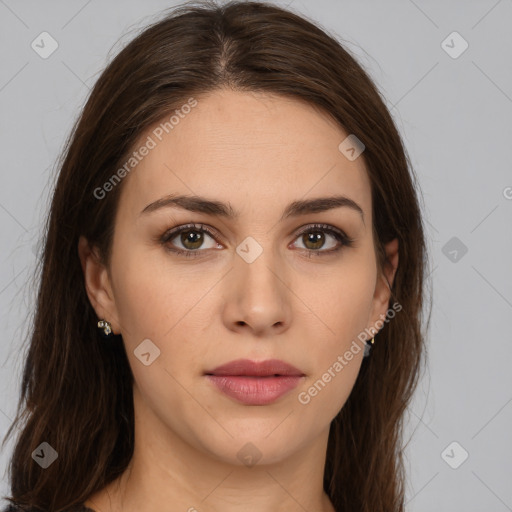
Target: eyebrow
{"points": [[199, 204]]}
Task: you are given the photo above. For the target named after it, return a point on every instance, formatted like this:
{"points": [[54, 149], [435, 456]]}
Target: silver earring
{"points": [[106, 326], [368, 347]]}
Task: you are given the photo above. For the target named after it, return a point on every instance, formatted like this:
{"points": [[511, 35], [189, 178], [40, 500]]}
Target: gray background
{"points": [[454, 115]]}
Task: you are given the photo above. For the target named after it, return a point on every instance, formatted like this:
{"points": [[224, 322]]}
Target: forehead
{"points": [[251, 149]]}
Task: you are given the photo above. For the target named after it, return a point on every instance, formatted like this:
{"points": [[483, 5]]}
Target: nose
{"points": [[257, 297]]}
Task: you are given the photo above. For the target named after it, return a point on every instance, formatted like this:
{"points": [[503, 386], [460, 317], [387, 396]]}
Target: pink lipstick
{"points": [[255, 383]]}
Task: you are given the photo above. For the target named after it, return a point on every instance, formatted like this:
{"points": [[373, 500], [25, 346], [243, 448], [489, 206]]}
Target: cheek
{"points": [[343, 304], [149, 300], [336, 359], [162, 304], [154, 311]]}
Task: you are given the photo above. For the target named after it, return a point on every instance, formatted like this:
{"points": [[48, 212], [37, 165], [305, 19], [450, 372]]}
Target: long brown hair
{"points": [[76, 392]]}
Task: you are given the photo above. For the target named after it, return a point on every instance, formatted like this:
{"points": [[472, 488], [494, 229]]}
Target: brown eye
{"points": [[314, 239], [187, 240], [191, 239]]}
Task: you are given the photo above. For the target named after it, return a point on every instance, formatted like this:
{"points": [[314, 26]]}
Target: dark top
{"points": [[77, 508]]}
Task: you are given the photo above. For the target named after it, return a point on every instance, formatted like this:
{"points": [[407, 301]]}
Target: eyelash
{"points": [[341, 237]]}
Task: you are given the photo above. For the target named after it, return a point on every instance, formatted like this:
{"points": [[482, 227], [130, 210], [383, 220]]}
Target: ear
{"points": [[97, 284], [382, 289]]}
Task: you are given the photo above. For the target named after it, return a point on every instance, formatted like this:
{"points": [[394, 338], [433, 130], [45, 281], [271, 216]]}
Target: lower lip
{"points": [[255, 390]]}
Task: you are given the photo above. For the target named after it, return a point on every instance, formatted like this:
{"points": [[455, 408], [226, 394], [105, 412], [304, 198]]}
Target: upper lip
{"points": [[246, 367]]}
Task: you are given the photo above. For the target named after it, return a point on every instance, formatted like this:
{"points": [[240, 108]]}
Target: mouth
{"points": [[255, 383]]}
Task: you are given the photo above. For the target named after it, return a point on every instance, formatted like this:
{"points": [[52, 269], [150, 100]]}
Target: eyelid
{"points": [[170, 233], [321, 227]]}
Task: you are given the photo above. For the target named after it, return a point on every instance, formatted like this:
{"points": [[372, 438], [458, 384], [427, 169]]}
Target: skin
{"points": [[257, 152]]}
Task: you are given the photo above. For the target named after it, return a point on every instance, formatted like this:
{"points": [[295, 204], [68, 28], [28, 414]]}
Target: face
{"points": [[258, 282]]}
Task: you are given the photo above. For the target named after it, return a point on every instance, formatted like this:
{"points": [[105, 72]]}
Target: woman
{"points": [[229, 313]]}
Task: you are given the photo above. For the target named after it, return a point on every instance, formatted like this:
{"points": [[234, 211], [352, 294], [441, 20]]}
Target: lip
{"points": [[255, 383]]}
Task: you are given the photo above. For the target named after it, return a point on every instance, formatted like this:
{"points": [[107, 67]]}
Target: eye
{"points": [[192, 238], [314, 236]]}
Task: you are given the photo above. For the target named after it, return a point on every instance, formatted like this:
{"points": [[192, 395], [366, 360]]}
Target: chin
{"points": [[261, 445]]}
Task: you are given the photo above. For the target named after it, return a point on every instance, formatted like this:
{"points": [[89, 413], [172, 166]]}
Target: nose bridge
{"points": [[257, 266]]}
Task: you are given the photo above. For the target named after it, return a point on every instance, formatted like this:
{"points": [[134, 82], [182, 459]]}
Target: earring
{"points": [[368, 347], [107, 328]]}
